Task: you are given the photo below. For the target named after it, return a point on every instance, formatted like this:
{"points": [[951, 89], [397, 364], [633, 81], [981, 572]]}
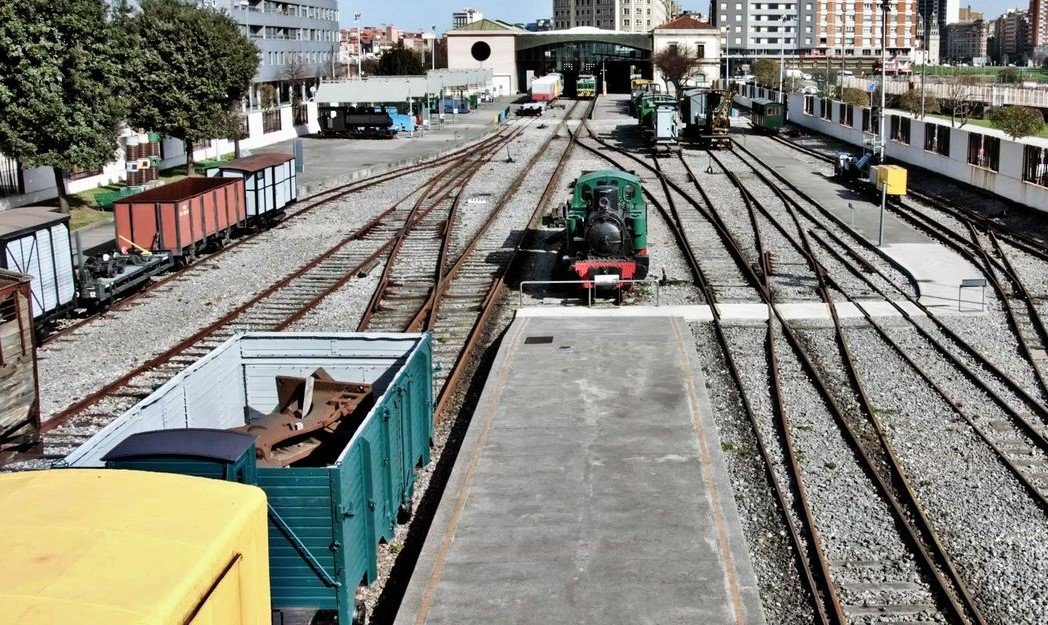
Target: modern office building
{"points": [[750, 28], [631, 16], [299, 34]]}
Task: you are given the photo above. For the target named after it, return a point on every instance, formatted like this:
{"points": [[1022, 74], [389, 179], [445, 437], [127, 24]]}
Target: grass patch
{"points": [[1025, 73], [85, 215], [727, 447]]}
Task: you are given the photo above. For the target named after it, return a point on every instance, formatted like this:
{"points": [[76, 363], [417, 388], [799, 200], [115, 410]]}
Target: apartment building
{"points": [[465, 16], [637, 16], [287, 31], [853, 28], [1038, 16], [965, 41]]}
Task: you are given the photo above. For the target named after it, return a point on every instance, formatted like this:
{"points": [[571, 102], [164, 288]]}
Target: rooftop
{"points": [[685, 22]]}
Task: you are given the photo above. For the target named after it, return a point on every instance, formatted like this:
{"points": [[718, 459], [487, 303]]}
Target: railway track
{"points": [[696, 231], [297, 210], [273, 309], [451, 285]]}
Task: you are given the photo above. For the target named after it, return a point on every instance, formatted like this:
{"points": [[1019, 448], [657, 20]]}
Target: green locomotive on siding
{"points": [[606, 227], [767, 116], [586, 87]]}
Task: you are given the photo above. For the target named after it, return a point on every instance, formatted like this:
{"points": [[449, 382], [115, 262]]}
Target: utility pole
{"points": [[433, 48], [782, 52], [727, 56], [360, 46], [840, 78], [924, 59], [886, 7]]}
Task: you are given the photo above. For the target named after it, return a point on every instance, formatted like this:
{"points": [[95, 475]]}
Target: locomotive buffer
{"points": [[589, 489]]}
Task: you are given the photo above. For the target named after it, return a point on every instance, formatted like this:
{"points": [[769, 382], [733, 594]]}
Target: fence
{"points": [[994, 95], [271, 121]]}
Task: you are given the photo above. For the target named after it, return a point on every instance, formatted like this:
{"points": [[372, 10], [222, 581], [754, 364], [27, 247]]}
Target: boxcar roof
{"points": [[116, 547], [257, 162], [16, 222], [179, 190], [190, 442], [762, 101]]}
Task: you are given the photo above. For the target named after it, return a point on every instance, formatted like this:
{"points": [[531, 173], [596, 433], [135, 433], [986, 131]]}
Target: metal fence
{"points": [[994, 95], [271, 121]]}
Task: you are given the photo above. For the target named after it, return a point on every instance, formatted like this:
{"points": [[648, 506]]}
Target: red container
{"points": [[180, 217]]}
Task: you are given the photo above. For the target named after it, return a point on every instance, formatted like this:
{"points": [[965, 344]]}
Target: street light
{"points": [[782, 54], [886, 7], [360, 46]]}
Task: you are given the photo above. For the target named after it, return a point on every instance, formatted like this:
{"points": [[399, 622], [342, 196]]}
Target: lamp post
{"points": [[886, 7], [924, 56], [727, 56], [433, 48], [360, 46], [782, 53]]}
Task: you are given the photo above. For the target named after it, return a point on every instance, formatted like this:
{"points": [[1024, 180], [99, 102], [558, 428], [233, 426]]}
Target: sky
{"points": [[423, 14]]}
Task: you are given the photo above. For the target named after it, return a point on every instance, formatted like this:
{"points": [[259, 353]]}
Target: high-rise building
{"points": [[1038, 23], [942, 12], [760, 28], [296, 36], [639, 16], [1009, 36], [465, 16], [968, 14], [965, 41], [824, 27], [853, 28]]}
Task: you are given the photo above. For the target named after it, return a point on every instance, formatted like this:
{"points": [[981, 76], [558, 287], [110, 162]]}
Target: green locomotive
{"points": [[767, 116], [606, 229], [586, 87]]}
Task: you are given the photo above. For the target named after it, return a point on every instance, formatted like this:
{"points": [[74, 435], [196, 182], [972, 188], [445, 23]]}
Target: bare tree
{"points": [[296, 69], [960, 100], [677, 66]]}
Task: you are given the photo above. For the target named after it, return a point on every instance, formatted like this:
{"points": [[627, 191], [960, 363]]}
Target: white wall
{"points": [[1007, 182], [40, 181], [502, 62], [689, 40]]}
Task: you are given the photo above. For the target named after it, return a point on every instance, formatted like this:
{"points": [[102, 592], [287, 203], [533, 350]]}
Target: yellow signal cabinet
{"points": [[893, 176]]}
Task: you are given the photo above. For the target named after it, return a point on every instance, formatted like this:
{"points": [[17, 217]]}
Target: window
{"points": [[900, 129], [984, 151], [937, 139], [809, 105], [869, 118], [701, 51], [825, 108], [847, 115], [1035, 165]]}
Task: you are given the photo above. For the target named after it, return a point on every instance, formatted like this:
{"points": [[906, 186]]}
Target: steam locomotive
{"points": [[606, 227]]}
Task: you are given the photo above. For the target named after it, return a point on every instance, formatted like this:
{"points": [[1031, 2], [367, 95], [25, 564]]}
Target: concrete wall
{"points": [[40, 181], [502, 62], [1007, 182]]}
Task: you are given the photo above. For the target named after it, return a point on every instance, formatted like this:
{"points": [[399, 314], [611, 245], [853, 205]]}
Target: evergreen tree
{"points": [[400, 62], [62, 92]]}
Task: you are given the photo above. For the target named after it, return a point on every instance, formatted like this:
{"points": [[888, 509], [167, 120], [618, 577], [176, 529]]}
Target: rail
{"points": [[594, 284]]}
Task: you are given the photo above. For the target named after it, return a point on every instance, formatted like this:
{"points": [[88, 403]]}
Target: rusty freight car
{"points": [[182, 218]]}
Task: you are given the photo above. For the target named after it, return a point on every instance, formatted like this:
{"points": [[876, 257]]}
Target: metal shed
{"points": [[326, 521], [270, 180], [35, 241]]}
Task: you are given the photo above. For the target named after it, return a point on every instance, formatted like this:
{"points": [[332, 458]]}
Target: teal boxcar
{"points": [[325, 521], [767, 116]]}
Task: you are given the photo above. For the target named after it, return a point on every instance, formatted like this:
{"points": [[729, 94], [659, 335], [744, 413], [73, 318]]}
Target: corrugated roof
{"points": [[15, 221], [685, 22], [400, 88], [487, 24], [257, 162]]}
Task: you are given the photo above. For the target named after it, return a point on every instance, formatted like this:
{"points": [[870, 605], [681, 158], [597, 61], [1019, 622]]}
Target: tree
{"points": [[855, 97], [766, 72], [677, 66], [369, 67], [267, 96], [193, 66], [1009, 76], [295, 72], [61, 90], [1017, 121], [400, 62], [960, 101], [911, 101]]}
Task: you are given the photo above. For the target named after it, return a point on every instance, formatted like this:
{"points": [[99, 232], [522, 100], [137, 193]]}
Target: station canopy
{"points": [[376, 89]]}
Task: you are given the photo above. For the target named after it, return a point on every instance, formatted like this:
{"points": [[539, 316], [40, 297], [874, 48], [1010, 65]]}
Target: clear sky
{"points": [[422, 14]]}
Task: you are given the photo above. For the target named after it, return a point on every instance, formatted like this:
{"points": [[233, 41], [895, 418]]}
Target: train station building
{"points": [[516, 56]]}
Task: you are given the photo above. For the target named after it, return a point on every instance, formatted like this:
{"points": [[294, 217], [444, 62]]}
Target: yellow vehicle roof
{"points": [[80, 546]]}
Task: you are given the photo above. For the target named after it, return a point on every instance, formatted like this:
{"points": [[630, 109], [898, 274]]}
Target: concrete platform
{"points": [[937, 269], [734, 312], [590, 488]]}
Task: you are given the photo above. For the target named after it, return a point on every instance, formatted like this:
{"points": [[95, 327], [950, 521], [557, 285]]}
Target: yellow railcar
{"points": [[109, 547]]}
